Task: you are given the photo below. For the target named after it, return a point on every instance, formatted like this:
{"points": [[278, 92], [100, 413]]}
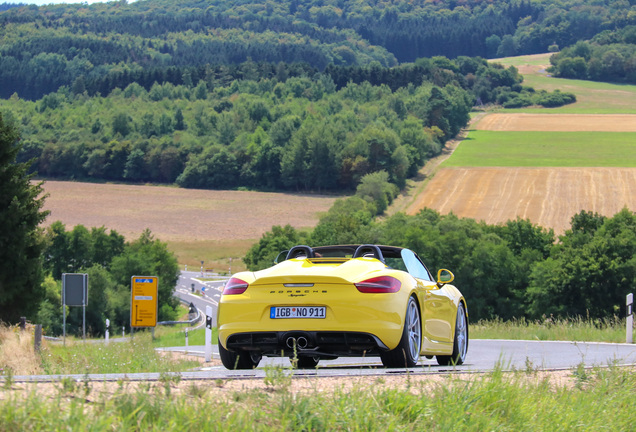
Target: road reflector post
{"points": [[186, 345], [208, 333], [107, 330], [630, 317]]}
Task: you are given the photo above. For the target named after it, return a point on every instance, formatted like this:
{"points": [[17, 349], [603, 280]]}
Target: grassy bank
{"points": [[137, 354], [575, 329], [600, 399], [218, 255]]}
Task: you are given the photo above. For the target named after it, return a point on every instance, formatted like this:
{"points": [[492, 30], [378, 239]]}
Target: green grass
{"points": [[599, 399], [135, 355], [216, 254], [546, 149], [533, 59], [592, 97], [581, 330], [175, 337]]}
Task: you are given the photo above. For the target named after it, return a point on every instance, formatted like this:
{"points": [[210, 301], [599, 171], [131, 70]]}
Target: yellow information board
{"points": [[143, 310]]}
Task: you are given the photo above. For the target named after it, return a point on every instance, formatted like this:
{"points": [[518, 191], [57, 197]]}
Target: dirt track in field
{"points": [[547, 196], [174, 214], [558, 122]]}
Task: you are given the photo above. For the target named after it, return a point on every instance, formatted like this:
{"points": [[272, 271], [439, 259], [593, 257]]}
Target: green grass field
{"points": [[546, 149], [592, 97]]}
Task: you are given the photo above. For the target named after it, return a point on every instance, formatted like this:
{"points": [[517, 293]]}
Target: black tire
{"points": [[307, 362], [407, 353], [234, 360], [460, 342]]}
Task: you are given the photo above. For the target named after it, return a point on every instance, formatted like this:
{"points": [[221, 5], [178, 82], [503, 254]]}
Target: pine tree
{"points": [[21, 240]]}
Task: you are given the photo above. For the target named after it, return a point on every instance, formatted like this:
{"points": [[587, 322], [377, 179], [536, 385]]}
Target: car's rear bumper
{"points": [[325, 344]]}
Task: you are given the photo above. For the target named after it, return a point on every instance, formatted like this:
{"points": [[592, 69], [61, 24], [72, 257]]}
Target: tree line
{"points": [[512, 270], [610, 56], [51, 46], [110, 262], [285, 130]]}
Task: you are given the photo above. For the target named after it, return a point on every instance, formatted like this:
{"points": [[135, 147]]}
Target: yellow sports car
{"points": [[327, 302]]}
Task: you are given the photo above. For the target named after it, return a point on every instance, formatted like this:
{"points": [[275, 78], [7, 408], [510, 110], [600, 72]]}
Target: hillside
{"points": [[89, 46], [543, 165]]}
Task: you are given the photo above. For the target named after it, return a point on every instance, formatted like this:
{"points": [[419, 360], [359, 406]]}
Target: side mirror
{"points": [[283, 254], [444, 276]]}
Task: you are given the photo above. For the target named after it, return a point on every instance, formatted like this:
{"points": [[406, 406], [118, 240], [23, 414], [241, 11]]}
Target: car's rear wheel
{"points": [[407, 353], [307, 362], [460, 344], [238, 360]]}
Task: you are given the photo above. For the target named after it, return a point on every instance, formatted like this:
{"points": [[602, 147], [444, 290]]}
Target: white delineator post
{"points": [[208, 333], [630, 318], [107, 330]]}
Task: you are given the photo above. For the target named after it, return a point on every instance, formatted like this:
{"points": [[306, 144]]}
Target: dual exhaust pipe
{"points": [[301, 342]]}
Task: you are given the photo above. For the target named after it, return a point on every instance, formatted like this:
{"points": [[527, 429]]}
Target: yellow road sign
{"points": [[143, 310]]}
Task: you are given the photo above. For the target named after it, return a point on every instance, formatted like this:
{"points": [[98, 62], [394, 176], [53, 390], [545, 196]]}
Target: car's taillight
{"points": [[380, 284], [235, 286]]}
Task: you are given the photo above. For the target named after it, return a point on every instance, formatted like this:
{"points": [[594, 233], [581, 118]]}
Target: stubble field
{"points": [[197, 224], [547, 196], [541, 164], [558, 122]]}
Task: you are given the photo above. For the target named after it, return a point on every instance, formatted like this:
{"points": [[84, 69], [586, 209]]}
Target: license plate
{"points": [[297, 312]]}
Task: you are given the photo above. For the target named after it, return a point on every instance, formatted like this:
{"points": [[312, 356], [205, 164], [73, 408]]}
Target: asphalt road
{"points": [[206, 293], [483, 355]]}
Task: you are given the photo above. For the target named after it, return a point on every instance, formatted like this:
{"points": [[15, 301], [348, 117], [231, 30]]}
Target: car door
{"points": [[437, 306]]}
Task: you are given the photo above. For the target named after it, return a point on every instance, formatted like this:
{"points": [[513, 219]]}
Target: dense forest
{"points": [[263, 126], [44, 48]]}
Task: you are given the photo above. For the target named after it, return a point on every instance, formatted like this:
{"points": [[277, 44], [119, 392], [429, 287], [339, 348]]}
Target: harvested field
{"points": [[547, 196], [178, 215], [516, 122]]}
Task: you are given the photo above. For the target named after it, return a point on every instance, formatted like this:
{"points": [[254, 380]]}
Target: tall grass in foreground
{"points": [[602, 399], [17, 354], [566, 329]]}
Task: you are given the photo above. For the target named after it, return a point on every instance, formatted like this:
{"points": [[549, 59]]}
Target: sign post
{"points": [[630, 318], [144, 304], [74, 293]]}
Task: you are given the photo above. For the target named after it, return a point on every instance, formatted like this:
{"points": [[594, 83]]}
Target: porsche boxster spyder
{"points": [[327, 302]]}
